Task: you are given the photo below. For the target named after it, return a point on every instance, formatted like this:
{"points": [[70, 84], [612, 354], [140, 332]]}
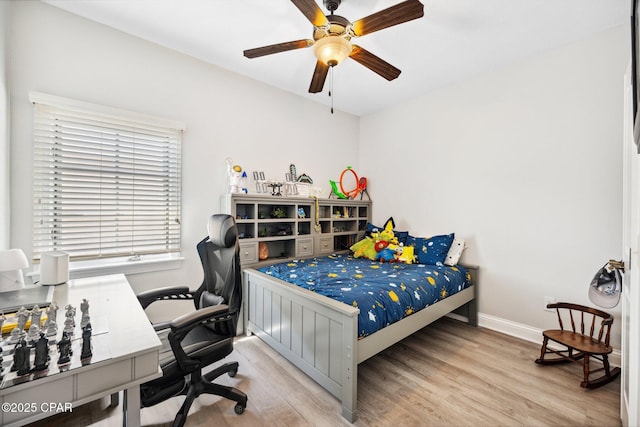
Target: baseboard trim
{"points": [[526, 332]]}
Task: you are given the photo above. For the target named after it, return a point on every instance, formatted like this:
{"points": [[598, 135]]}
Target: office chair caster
{"points": [[239, 409]]}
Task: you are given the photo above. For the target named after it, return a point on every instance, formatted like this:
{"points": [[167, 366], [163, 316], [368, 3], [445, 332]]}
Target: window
{"points": [[106, 182]]}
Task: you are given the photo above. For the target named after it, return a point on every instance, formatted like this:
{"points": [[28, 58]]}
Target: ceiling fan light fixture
{"points": [[332, 50]]}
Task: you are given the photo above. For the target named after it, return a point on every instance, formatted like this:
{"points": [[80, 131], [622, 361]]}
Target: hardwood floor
{"points": [[447, 374]]}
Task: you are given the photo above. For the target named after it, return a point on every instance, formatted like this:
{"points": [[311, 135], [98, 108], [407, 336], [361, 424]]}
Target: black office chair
{"points": [[200, 338]]}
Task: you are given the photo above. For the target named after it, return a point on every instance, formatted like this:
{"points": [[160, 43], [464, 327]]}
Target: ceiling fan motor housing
{"points": [[336, 26]]}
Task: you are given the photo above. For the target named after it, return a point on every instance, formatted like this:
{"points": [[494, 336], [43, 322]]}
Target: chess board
{"points": [[100, 352]]}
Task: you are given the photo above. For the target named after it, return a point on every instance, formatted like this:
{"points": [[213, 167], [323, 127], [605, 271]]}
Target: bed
{"points": [[322, 335]]}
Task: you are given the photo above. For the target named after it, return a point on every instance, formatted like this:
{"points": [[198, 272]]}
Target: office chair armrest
{"points": [[164, 294], [182, 325], [189, 320]]}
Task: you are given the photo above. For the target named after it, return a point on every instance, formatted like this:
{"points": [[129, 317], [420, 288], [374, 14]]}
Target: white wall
{"points": [[226, 115], [4, 127], [524, 162]]}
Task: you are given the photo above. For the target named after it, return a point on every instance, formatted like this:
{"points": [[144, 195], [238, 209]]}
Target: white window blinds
{"points": [[106, 182]]}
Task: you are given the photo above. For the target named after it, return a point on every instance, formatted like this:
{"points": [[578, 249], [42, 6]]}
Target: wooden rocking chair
{"points": [[586, 345]]}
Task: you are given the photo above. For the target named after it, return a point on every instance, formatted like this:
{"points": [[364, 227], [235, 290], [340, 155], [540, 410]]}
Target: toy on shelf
{"points": [[237, 178], [362, 187], [261, 182], [276, 188], [304, 186], [290, 178], [359, 185], [334, 190]]}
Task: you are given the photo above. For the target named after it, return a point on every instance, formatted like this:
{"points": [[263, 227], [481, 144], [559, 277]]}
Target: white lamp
{"points": [[12, 261], [332, 49]]}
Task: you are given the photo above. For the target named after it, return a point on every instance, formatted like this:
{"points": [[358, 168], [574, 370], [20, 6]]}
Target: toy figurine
{"points": [[64, 349], [261, 182], [41, 361], [36, 316], [86, 342], [235, 177]]}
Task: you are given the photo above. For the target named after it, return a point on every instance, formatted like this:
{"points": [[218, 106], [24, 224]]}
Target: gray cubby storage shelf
{"points": [[287, 225]]}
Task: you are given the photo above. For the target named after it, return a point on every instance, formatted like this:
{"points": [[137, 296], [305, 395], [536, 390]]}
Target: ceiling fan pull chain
{"points": [[331, 87]]}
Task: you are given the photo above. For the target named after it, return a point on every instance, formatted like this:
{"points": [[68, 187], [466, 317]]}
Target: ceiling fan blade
{"points": [[277, 48], [374, 63], [394, 15], [319, 76], [312, 11]]}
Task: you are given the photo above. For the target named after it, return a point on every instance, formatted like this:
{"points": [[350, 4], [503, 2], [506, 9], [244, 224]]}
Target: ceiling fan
{"points": [[332, 35]]}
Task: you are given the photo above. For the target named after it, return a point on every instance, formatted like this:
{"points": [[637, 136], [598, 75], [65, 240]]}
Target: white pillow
{"points": [[455, 252]]}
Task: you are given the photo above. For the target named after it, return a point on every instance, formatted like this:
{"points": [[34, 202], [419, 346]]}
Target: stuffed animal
{"points": [[406, 254], [380, 245], [386, 255], [365, 248], [369, 247]]}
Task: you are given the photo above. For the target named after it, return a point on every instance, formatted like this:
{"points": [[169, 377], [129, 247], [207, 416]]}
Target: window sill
{"points": [[147, 264]]}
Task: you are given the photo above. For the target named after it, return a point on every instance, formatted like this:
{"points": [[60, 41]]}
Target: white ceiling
{"points": [[454, 40]]}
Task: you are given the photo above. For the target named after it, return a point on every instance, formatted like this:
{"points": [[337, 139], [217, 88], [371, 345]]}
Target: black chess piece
{"points": [[21, 358], [86, 342], [17, 358], [42, 353], [64, 348]]}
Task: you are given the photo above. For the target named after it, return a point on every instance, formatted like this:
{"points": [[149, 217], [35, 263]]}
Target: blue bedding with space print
{"points": [[384, 293]]}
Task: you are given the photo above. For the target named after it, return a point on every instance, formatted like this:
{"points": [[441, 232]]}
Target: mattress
{"points": [[384, 292]]}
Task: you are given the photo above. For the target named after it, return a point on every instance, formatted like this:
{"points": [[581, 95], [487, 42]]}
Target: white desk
{"points": [[126, 336]]}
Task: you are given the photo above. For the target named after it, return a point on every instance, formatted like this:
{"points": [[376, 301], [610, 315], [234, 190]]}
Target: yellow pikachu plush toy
{"points": [[366, 248]]}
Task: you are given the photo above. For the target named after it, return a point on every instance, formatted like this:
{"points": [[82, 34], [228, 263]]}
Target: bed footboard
{"points": [[316, 334]]}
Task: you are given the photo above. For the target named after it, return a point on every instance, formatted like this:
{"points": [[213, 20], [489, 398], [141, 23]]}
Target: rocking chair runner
{"points": [[587, 345]]}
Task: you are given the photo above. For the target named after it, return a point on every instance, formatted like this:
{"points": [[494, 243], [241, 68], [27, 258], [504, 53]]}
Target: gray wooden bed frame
{"points": [[320, 335]]}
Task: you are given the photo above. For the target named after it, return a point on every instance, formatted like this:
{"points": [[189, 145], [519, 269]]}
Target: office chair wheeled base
{"points": [[202, 384]]}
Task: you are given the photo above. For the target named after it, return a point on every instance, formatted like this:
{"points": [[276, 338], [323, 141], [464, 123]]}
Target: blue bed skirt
{"points": [[384, 293]]}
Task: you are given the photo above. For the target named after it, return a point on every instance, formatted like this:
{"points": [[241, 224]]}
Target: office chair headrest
{"points": [[222, 230]]}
